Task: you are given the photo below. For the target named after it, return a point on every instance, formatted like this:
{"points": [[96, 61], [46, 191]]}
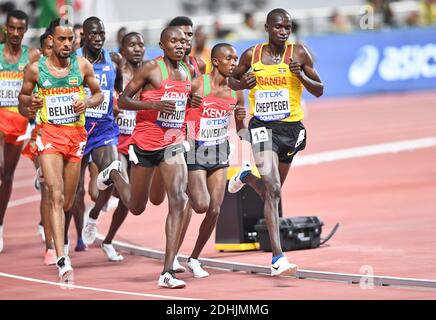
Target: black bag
{"points": [[295, 233]]}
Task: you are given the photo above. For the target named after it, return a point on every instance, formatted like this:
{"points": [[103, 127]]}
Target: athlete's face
{"points": [[15, 30], [94, 36], [225, 61], [174, 44], [63, 39], [133, 49], [47, 47], [279, 28], [189, 34]]}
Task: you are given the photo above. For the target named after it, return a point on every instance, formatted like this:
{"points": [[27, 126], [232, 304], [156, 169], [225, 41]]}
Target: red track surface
{"points": [[385, 204]]}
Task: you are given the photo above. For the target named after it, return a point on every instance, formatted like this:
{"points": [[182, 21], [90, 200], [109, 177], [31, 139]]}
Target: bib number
{"points": [[272, 105], [259, 135]]}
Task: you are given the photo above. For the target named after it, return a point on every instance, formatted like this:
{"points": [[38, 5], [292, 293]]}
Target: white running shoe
{"points": [[235, 183], [90, 231], [282, 267], [195, 267], [177, 267], [39, 178], [103, 179], [41, 232], [111, 253], [168, 280], [65, 269]]}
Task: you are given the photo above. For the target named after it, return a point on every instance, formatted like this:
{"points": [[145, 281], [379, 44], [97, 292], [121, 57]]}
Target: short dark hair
{"points": [[274, 12], [90, 20], [18, 14], [216, 48], [127, 36], [42, 38], [58, 22], [77, 26], [180, 21]]}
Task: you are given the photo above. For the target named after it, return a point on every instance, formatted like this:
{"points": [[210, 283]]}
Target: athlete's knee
{"points": [[200, 205], [213, 212], [272, 190], [178, 200], [56, 197], [68, 204], [137, 207], [157, 199]]}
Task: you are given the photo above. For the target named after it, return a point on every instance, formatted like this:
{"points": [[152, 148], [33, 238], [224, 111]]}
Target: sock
{"points": [[93, 221], [274, 259]]}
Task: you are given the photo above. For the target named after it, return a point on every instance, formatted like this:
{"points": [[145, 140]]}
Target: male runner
{"points": [[208, 160], [62, 100], [100, 122], [13, 58], [31, 151], [279, 71], [158, 136], [132, 49]]}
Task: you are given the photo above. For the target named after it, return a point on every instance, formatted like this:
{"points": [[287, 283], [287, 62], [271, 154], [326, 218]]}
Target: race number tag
{"points": [[127, 121], [259, 135], [175, 119], [272, 105], [60, 108], [101, 110]]}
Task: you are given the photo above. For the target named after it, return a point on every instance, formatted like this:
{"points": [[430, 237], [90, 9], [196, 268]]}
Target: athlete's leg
{"points": [[121, 210], [92, 186], [2, 155], [175, 181], [52, 167], [11, 156], [216, 185], [268, 164], [78, 209], [198, 199], [157, 190], [45, 216], [140, 181]]}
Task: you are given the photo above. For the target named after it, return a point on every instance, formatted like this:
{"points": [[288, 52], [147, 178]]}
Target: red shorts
{"points": [[13, 125], [65, 140], [123, 144], [30, 151]]}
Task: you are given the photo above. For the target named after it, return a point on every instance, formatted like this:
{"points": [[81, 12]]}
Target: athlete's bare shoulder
{"points": [[32, 69], [33, 55], [197, 85]]}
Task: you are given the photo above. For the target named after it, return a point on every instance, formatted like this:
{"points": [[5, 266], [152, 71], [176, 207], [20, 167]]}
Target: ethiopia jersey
{"points": [[58, 94], [210, 121], [277, 94], [105, 74], [154, 129], [11, 79]]}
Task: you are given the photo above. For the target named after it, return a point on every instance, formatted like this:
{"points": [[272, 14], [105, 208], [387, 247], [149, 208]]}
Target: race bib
{"points": [[213, 131], [259, 135], [9, 91], [127, 122], [272, 105], [175, 119], [101, 110], [60, 108]]}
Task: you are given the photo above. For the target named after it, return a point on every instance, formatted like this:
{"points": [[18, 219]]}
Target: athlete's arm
{"points": [[240, 112], [29, 103], [117, 59], [33, 55], [241, 78], [91, 82], [196, 98], [302, 67], [201, 65]]}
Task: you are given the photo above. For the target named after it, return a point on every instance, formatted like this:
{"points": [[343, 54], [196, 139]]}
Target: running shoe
{"points": [[177, 267], [90, 231], [103, 179], [195, 267], [169, 280], [50, 257], [111, 253], [235, 183], [282, 267], [65, 269]]}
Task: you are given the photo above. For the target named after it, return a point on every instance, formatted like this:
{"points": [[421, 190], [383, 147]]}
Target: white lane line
{"points": [[365, 151], [25, 200], [72, 286]]}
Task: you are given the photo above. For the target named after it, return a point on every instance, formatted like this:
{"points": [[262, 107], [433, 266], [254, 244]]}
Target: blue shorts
{"points": [[103, 133]]}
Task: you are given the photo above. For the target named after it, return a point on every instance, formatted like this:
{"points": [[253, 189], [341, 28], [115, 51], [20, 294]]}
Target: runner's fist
{"points": [[240, 112], [195, 100], [248, 80], [35, 105], [79, 106], [296, 68], [165, 106]]}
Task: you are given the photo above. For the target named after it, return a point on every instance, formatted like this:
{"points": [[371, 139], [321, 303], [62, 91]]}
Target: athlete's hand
{"points": [[240, 112], [195, 100], [165, 106], [79, 106], [248, 80], [35, 105], [296, 68]]}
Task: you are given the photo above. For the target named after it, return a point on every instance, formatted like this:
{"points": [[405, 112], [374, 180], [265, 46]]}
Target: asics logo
{"points": [[169, 86]]}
